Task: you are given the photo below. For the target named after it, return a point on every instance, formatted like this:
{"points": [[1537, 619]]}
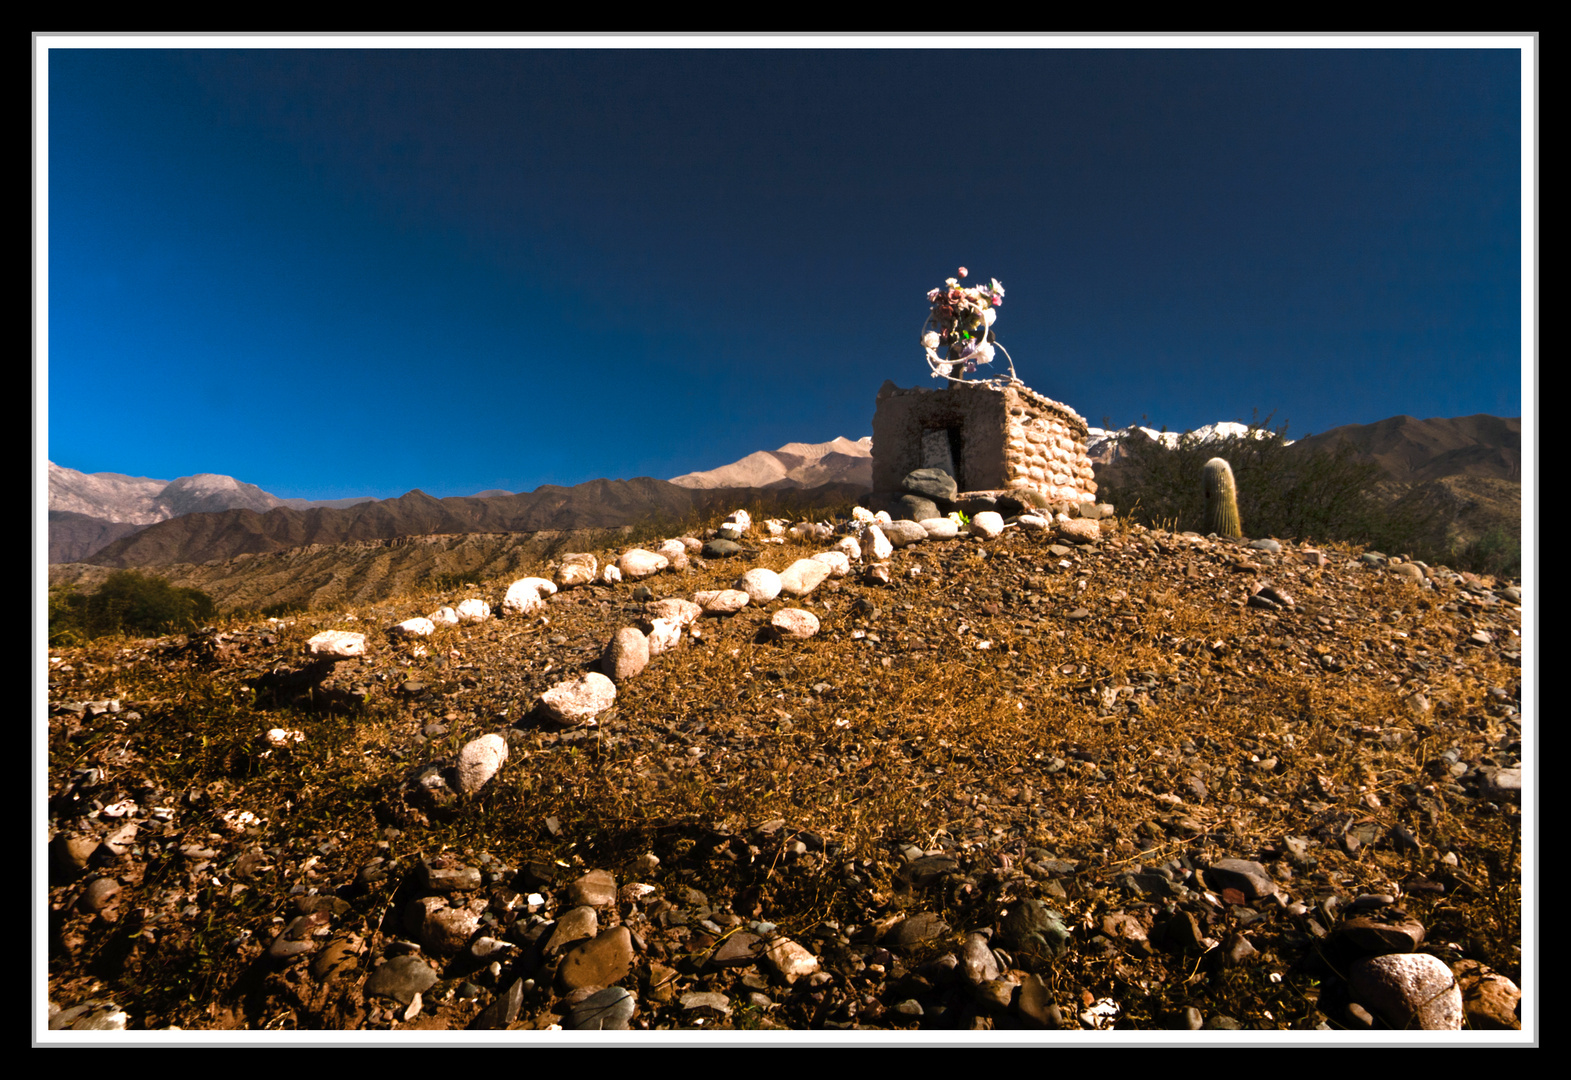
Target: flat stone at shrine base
{"points": [[605, 960]]}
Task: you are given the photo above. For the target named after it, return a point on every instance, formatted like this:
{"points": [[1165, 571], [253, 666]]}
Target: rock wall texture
{"points": [[995, 437]]}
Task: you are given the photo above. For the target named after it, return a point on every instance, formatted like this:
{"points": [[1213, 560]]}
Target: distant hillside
{"points": [[73, 537], [1467, 470], [598, 504], [1412, 451], [88, 511], [794, 465]]}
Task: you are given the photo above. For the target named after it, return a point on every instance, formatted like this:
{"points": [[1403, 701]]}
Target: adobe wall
{"points": [[989, 436]]}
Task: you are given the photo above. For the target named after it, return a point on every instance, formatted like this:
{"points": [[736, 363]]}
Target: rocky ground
{"points": [[1151, 782]]}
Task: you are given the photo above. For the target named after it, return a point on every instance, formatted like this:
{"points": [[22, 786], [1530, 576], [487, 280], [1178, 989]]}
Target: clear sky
{"points": [[360, 271]]}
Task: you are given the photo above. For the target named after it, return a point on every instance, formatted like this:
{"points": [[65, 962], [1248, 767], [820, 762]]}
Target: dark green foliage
{"points": [[1497, 552], [1283, 492], [126, 603]]}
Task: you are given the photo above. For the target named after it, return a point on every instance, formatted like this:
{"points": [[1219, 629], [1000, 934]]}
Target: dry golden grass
{"points": [[1086, 739]]}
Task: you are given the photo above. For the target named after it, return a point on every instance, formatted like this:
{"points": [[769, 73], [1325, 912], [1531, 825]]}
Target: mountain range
{"points": [[196, 528]]}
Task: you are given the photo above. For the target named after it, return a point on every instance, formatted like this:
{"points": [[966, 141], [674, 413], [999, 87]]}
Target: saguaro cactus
{"points": [[1221, 499]]}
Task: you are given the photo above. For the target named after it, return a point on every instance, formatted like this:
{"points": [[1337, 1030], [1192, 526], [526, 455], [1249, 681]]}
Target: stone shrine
{"points": [[996, 438]]}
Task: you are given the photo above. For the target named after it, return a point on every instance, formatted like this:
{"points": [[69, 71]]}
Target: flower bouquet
{"points": [[961, 321]]}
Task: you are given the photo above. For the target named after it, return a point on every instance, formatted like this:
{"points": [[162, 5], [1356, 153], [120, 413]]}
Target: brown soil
{"points": [[1089, 728]]}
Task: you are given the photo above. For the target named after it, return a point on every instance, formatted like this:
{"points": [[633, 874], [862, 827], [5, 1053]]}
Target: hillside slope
{"points": [[1025, 785]]}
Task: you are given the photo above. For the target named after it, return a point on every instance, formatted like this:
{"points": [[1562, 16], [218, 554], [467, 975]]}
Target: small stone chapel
{"points": [[995, 438]]}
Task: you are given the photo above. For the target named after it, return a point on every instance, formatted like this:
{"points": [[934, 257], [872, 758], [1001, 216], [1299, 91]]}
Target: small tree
{"points": [[127, 602]]}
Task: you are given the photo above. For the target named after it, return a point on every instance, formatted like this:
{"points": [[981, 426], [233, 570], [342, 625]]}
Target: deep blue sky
{"points": [[358, 272]]}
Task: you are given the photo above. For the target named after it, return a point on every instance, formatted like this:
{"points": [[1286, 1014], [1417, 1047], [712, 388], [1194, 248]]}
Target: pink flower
{"points": [[964, 271]]}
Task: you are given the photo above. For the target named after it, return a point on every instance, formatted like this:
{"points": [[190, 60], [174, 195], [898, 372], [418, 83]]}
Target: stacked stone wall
{"points": [[1012, 439]]}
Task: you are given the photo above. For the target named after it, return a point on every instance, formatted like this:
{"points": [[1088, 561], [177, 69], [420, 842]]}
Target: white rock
{"points": [[761, 585], [1080, 530], [862, 513], [663, 635], [880, 546], [639, 563], [577, 568], [337, 643], [803, 576], [722, 601], [878, 573], [479, 760], [527, 595], [882, 517], [741, 519], [811, 530], [776, 526], [1033, 523], [675, 552], [474, 610], [627, 654], [989, 523], [1410, 990], [940, 528], [580, 700], [904, 533], [790, 960], [281, 737], [611, 575], [794, 623], [444, 616], [692, 543], [730, 530], [838, 562], [682, 611], [416, 627]]}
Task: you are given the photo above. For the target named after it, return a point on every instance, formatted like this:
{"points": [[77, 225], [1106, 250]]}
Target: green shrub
{"points": [[126, 603], [1497, 552], [1283, 491]]}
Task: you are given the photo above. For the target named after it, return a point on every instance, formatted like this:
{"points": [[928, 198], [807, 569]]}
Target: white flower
{"points": [[930, 340], [989, 315]]}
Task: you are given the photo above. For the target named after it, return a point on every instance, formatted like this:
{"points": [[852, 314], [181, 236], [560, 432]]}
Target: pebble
{"points": [[401, 978], [915, 929], [604, 960], [803, 576], [626, 655], [338, 644], [794, 623], [721, 601], [611, 1009], [1489, 999], [479, 761], [639, 563], [580, 700]]}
